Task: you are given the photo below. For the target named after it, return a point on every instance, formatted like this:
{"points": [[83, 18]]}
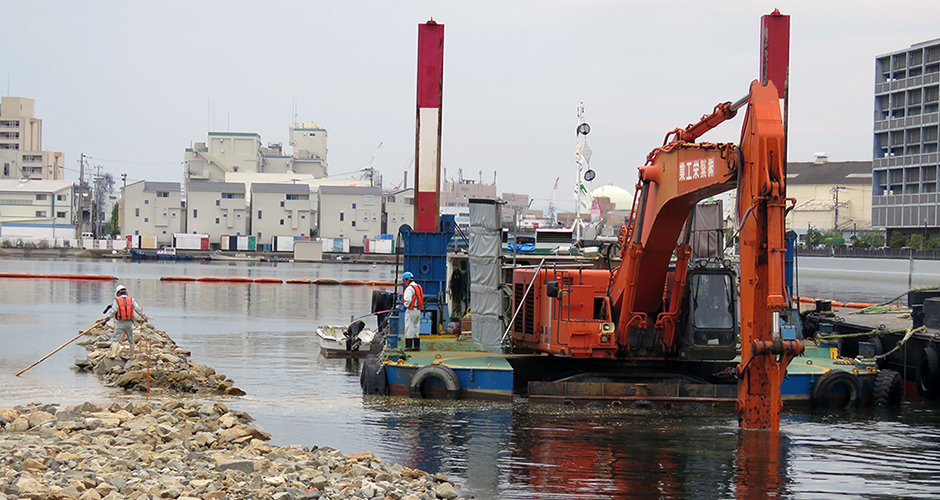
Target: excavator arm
{"points": [[674, 179]]}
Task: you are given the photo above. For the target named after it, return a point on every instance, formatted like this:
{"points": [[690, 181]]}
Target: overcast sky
{"points": [[133, 84]]}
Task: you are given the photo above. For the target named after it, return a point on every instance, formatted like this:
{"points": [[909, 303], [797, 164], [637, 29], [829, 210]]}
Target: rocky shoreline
{"points": [[157, 365], [183, 450]]}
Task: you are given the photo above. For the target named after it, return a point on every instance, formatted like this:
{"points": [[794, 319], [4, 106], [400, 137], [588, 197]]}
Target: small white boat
{"points": [[335, 340], [236, 257]]}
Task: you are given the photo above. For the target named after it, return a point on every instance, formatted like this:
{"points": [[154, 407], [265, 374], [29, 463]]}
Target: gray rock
{"points": [[244, 466]]}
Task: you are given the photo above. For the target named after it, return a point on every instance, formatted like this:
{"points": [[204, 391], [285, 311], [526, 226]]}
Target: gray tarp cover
{"points": [[485, 295]]}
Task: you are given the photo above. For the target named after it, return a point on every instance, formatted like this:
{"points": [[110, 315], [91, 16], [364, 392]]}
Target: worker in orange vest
{"points": [[122, 310], [412, 303]]}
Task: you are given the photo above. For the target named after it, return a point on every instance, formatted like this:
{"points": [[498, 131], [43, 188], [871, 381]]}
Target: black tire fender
{"points": [[879, 350], [831, 380], [441, 372], [928, 372], [372, 379], [886, 391]]}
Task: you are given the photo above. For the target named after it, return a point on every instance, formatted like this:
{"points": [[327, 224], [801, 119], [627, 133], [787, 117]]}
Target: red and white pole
{"points": [[775, 58], [428, 133]]}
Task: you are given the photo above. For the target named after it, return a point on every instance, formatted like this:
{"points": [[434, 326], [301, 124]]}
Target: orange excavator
{"points": [[661, 307]]}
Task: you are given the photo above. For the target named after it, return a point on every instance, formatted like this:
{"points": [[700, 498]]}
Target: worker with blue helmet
{"points": [[412, 302]]}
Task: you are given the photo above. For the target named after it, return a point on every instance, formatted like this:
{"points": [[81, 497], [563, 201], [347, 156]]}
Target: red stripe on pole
{"points": [[426, 208], [775, 51], [430, 64]]}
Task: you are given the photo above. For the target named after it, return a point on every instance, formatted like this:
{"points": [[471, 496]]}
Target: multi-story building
{"points": [[905, 162], [216, 209], [352, 212], [36, 209], [280, 210], [459, 193], [399, 209], [153, 209], [230, 152], [21, 154]]}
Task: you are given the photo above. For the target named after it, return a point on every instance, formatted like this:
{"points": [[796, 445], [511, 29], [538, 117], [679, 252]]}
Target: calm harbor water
{"points": [[261, 336]]}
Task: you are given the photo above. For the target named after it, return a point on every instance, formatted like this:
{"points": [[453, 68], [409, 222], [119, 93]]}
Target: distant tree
{"points": [[813, 238], [898, 240], [114, 230], [916, 241], [933, 243], [833, 239], [868, 239]]}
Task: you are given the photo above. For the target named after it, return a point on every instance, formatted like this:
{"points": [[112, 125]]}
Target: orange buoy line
{"points": [[850, 305], [238, 279], [97, 277]]}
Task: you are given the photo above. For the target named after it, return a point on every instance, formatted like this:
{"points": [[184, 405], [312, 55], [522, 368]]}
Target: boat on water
{"points": [[353, 341], [161, 254], [237, 257]]}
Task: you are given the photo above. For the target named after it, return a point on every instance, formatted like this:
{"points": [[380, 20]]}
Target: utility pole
{"points": [[81, 193], [835, 196]]}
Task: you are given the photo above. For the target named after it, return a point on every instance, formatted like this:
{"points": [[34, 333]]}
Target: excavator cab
{"points": [[711, 324]]}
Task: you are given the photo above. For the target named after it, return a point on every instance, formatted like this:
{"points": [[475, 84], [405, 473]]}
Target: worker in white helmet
{"points": [[122, 310], [412, 303]]}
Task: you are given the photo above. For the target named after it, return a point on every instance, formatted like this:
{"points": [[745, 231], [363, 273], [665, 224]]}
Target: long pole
{"points": [[100, 322]]}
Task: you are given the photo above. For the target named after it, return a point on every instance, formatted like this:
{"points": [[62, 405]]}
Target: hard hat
{"points": [[119, 289], [407, 275]]}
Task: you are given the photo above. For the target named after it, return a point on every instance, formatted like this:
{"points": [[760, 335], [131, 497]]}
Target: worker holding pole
{"points": [[122, 310]]}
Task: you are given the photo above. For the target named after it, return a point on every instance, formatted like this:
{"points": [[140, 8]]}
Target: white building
{"points": [[153, 209], [36, 209], [21, 154], [216, 209], [350, 212], [399, 209], [280, 210]]}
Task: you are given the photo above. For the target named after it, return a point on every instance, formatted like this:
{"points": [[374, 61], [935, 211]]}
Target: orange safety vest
{"points": [[125, 310], [417, 302]]}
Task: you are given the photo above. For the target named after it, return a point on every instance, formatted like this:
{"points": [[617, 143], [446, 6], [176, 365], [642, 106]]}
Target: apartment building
{"points": [[459, 193], [353, 212], [399, 209], [280, 210], [216, 209], [36, 209], [153, 209], [21, 154], [905, 161]]}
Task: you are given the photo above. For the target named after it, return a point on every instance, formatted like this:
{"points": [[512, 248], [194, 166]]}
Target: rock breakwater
{"points": [[157, 364], [183, 450]]}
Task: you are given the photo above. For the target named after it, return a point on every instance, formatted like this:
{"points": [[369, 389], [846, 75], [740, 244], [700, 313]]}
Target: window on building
{"points": [[303, 217], [40, 213], [282, 222], [218, 203], [60, 215], [225, 214], [354, 206], [259, 215], [164, 214], [341, 216], [146, 219], [136, 232], [409, 202], [282, 204], [60, 197], [163, 194], [6, 169], [40, 197], [353, 223], [216, 220], [238, 216], [228, 196], [136, 212], [146, 202], [292, 197], [289, 216], [195, 213]]}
